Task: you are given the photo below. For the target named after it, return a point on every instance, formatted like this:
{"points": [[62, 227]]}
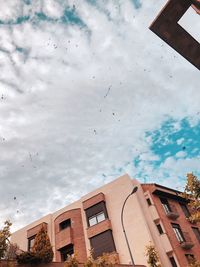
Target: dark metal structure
{"points": [[167, 28]]}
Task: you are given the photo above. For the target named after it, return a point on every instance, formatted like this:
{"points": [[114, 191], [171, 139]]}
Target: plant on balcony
{"points": [[152, 256], [71, 261], [192, 193], [4, 238], [42, 246], [107, 259]]}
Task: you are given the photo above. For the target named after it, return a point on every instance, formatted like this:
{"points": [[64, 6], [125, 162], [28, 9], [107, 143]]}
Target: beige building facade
{"points": [[153, 214]]}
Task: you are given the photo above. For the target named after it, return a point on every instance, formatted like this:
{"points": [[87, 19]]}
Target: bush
{"points": [[28, 258], [42, 246]]}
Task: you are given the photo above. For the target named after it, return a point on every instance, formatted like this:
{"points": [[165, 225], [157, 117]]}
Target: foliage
{"points": [[193, 263], [192, 193], [11, 252], [42, 246], [107, 259], [71, 261], [28, 257], [4, 238], [152, 256]]}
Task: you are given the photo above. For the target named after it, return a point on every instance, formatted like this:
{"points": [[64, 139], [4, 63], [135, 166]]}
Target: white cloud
{"points": [[63, 126], [181, 154], [180, 141]]}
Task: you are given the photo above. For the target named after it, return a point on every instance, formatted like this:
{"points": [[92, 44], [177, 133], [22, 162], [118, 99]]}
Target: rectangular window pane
{"points": [[149, 202], [185, 210], [166, 205], [92, 221], [178, 232], [65, 224], [100, 217], [160, 230], [173, 262]]}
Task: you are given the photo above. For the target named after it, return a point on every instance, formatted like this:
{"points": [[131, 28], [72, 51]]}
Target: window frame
{"points": [[30, 240], [96, 218], [160, 229], [64, 224], [185, 210], [178, 232], [63, 252], [173, 261], [166, 205]]}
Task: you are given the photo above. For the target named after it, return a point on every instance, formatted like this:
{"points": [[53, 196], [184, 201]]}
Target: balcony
{"points": [[171, 211], [187, 241]]}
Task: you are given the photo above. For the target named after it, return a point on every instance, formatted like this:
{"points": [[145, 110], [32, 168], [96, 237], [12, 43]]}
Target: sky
{"points": [[89, 93]]}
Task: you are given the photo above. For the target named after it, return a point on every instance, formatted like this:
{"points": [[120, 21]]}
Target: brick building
{"points": [[153, 214]]}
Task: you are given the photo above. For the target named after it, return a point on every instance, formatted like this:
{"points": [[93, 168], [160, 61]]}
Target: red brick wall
{"points": [[184, 224], [75, 235]]}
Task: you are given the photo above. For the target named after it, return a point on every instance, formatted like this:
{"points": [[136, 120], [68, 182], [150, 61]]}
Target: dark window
{"points": [[178, 232], [173, 262], [66, 251], [65, 224], [190, 258], [165, 205], [31, 241], [96, 219], [160, 230], [149, 202], [97, 210], [185, 210], [102, 243], [197, 233]]}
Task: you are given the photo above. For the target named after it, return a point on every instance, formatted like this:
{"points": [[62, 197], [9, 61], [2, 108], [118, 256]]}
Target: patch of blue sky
{"points": [[168, 140], [17, 21], [69, 17], [136, 3]]}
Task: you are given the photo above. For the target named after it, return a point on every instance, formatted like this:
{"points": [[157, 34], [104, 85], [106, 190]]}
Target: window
{"points": [[149, 202], [65, 251], [178, 232], [190, 258], [165, 205], [160, 230], [185, 210], [102, 243], [65, 224], [173, 262], [96, 213], [197, 233], [31, 241], [96, 218]]}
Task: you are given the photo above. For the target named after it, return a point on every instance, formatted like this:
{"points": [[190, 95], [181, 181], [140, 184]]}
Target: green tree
{"points": [[42, 246], [4, 238], [152, 256], [192, 193]]}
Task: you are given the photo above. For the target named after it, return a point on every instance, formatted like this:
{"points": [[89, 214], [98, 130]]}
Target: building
{"points": [[153, 214]]}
